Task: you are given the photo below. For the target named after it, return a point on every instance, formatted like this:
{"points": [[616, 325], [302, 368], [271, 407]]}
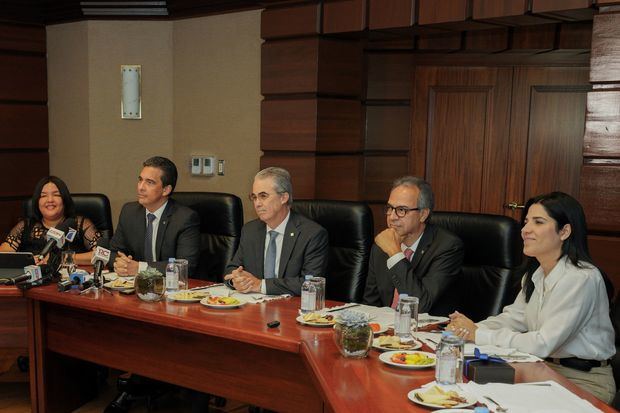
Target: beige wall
{"points": [[68, 111], [217, 100], [200, 95]]}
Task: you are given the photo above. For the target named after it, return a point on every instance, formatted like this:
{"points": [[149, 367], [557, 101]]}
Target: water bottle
{"points": [[449, 352], [308, 295], [172, 277]]}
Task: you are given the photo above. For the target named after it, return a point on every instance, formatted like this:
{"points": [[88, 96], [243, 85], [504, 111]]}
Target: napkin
{"points": [[425, 319], [381, 315], [430, 339], [542, 397], [511, 355]]}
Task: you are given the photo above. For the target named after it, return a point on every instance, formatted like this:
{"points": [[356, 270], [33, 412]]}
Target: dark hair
{"points": [[67, 201], [167, 167], [563, 209]]}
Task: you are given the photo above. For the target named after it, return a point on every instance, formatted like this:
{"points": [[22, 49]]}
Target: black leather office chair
{"points": [[491, 268], [350, 228], [96, 207], [221, 219]]}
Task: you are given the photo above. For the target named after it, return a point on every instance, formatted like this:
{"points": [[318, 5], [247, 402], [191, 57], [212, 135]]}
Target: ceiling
{"points": [[59, 11]]}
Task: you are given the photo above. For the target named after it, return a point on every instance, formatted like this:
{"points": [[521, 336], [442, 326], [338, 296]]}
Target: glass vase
{"points": [[353, 341], [150, 285]]}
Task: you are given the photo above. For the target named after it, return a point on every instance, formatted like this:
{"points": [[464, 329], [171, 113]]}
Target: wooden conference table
{"points": [[13, 332], [231, 353]]}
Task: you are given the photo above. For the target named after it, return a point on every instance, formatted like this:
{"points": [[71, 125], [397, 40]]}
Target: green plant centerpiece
{"points": [[150, 285], [352, 334]]}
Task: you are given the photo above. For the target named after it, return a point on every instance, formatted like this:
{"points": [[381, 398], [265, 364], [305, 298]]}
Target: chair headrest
{"points": [[356, 217], [488, 239], [224, 210]]}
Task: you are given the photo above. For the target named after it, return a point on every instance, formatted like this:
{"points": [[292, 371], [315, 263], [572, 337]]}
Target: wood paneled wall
{"points": [[311, 115], [23, 117], [600, 176], [526, 114]]}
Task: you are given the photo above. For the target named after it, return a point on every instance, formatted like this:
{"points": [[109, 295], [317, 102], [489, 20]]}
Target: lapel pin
{"points": [[292, 234]]}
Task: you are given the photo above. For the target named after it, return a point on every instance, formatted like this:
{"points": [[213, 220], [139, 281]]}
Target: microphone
{"points": [[100, 259], [56, 236], [32, 274]]}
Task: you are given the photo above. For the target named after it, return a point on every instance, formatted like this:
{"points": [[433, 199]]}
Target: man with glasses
{"points": [[281, 246], [411, 256]]}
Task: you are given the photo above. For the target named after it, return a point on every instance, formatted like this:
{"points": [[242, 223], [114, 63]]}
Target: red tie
{"points": [[408, 254]]}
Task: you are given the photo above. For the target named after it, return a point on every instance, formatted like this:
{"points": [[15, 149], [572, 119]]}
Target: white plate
{"points": [[300, 319], [470, 401], [375, 344], [188, 300], [242, 301], [110, 284], [386, 358]]}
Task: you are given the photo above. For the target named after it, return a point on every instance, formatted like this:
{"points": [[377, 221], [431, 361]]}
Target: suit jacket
{"points": [[304, 251], [431, 275], [178, 235]]}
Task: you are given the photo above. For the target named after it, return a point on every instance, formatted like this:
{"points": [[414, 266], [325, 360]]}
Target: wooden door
{"points": [[487, 137], [546, 132], [459, 135]]}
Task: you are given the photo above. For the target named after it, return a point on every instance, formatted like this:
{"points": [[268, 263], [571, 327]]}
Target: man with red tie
{"points": [[412, 256]]}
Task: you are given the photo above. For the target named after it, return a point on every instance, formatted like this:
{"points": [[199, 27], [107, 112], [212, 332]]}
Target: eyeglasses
{"points": [[262, 196], [401, 211]]}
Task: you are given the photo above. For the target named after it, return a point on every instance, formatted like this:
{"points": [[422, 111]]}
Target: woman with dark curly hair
{"points": [[51, 206]]}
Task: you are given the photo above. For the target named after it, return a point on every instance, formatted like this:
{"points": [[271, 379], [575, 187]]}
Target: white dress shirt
{"points": [[393, 260], [567, 316], [158, 213], [279, 241]]}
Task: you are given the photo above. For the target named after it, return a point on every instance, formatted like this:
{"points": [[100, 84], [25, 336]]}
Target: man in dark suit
{"points": [[411, 256], [155, 227], [281, 246]]}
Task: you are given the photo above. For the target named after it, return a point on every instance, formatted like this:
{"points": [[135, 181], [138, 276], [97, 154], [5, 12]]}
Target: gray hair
{"points": [[281, 180], [425, 198]]}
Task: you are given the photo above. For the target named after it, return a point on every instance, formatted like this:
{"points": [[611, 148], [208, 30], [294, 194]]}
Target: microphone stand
{"points": [[97, 283]]}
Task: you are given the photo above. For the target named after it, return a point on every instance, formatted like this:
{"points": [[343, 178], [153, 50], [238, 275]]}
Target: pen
{"points": [[204, 287], [342, 308]]}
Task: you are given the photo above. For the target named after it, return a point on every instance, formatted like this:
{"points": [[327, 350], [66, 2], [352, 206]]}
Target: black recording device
{"points": [[273, 324]]}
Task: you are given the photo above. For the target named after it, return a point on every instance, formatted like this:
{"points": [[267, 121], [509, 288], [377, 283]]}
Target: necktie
{"points": [[270, 257], [148, 239], [408, 254]]}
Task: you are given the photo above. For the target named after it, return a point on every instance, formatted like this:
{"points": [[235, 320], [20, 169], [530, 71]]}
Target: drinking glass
{"points": [[407, 315], [415, 304], [319, 283], [68, 262], [182, 267]]}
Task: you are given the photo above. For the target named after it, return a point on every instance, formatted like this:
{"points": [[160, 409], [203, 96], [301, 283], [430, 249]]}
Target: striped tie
{"points": [[148, 239]]}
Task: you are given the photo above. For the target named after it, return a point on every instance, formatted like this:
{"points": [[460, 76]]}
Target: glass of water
{"points": [[68, 262], [319, 283]]}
